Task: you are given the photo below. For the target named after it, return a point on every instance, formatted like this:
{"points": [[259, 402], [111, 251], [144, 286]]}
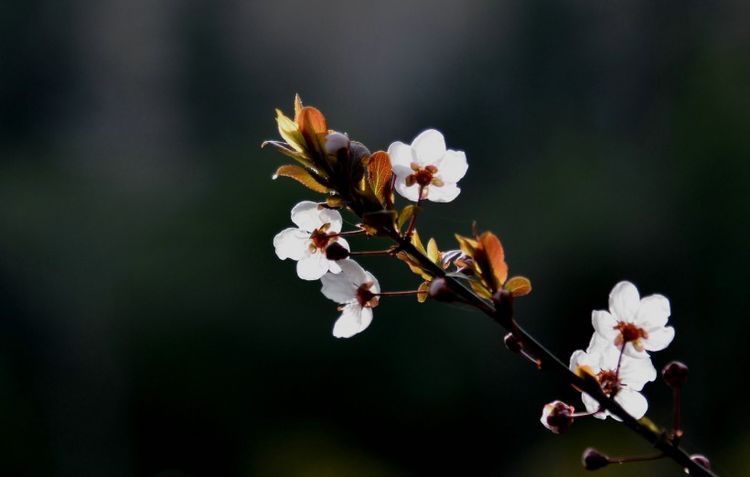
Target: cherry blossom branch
{"points": [[501, 312]]}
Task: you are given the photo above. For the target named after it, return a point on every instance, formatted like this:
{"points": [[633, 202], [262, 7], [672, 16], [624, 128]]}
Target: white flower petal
{"points": [[375, 288], [306, 216], [401, 156], [407, 192], [353, 272], [582, 358], [592, 405], [635, 373], [624, 301], [429, 147], [291, 243], [445, 193], [659, 338], [354, 319], [338, 288], [312, 267], [631, 352], [604, 324], [333, 217], [633, 402], [653, 311], [453, 166]]}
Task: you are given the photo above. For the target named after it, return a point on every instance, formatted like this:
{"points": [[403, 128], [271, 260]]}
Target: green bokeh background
{"points": [[147, 328]]}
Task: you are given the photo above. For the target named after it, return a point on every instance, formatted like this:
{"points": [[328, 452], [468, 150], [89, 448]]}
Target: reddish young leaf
{"points": [[492, 260], [518, 286], [311, 121], [379, 175]]}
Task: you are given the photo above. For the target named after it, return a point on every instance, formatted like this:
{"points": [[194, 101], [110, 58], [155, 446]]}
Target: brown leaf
{"points": [[300, 175], [379, 175], [490, 257], [518, 286]]}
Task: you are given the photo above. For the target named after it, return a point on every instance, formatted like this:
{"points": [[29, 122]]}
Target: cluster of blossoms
{"points": [[617, 356], [420, 171], [610, 373]]}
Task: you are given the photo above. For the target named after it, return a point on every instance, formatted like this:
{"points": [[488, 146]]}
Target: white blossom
{"points": [[428, 166], [601, 361], [356, 291], [639, 323], [317, 229]]}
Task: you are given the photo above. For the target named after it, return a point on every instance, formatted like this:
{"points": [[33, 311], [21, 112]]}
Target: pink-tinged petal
{"points": [[401, 156], [338, 288], [653, 311], [445, 193], [407, 192], [659, 338], [633, 402], [452, 166], [604, 324], [624, 301], [354, 319], [592, 405], [333, 217], [429, 147], [635, 373], [306, 216], [312, 267], [291, 243]]}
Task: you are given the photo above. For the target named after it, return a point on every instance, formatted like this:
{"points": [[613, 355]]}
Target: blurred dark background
{"points": [[148, 329]]}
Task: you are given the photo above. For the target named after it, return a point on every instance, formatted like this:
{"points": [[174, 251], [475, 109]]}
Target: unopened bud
{"points": [[674, 374], [557, 416], [513, 343], [359, 151], [701, 460], [336, 251], [335, 142], [592, 459], [503, 302], [441, 291]]}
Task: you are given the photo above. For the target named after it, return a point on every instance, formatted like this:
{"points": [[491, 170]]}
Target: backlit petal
{"points": [[445, 193], [659, 338], [653, 311], [604, 324], [624, 301], [338, 288], [401, 156], [429, 147], [353, 272], [633, 402], [592, 405], [410, 193], [635, 373], [291, 243], [453, 166], [354, 319], [331, 216], [306, 215], [312, 267]]}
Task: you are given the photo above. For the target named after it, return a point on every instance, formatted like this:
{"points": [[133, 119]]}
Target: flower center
{"points": [[320, 238], [423, 176], [630, 333], [608, 380], [365, 297]]}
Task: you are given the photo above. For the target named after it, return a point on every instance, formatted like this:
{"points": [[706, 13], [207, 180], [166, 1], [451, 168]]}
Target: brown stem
{"points": [[398, 293], [636, 458], [550, 362]]}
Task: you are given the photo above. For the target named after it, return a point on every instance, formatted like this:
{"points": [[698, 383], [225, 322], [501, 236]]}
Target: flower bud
{"points": [[335, 142], [359, 151], [592, 459], [336, 251], [513, 343], [674, 374], [503, 301], [701, 460], [557, 416], [441, 291]]}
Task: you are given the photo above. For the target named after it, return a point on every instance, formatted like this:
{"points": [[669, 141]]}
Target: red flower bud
{"points": [[674, 374], [557, 416], [336, 251], [592, 459], [701, 460]]}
